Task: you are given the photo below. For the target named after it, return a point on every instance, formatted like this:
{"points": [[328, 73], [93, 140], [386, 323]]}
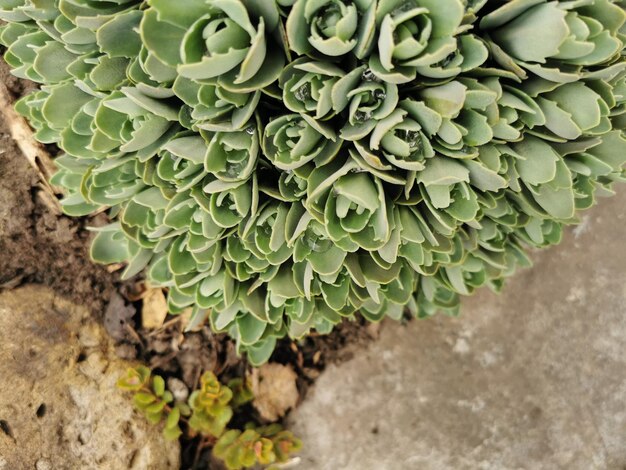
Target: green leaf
{"points": [[250, 329], [63, 104], [161, 38], [172, 433], [158, 385], [109, 246], [539, 163], [118, 37], [173, 418], [260, 352], [443, 171], [535, 35], [52, 62], [143, 400]]}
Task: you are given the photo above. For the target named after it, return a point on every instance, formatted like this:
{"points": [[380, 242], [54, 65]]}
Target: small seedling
{"points": [[207, 413]]}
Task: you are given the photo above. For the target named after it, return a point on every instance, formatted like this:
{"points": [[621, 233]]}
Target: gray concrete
{"points": [[532, 379]]}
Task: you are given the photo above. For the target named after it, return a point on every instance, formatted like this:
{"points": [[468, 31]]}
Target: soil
{"points": [[40, 247], [37, 246]]}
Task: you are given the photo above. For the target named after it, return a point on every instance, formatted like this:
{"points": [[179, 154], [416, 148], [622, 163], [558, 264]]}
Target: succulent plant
{"points": [[154, 400], [207, 413], [279, 166], [210, 406], [266, 445]]}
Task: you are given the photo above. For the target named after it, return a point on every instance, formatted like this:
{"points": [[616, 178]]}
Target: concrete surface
{"points": [[532, 379], [59, 406]]}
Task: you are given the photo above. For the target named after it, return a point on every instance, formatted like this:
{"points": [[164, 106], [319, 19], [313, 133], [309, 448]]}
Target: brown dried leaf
{"points": [[317, 356], [114, 267], [275, 390], [154, 309], [185, 318], [134, 291]]}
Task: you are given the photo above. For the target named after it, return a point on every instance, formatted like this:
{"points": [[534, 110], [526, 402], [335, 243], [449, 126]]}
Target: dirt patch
{"points": [[185, 355], [17, 86], [182, 357], [38, 246]]}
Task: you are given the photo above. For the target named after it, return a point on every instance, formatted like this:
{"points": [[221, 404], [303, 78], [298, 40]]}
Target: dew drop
{"points": [[310, 240], [380, 95], [303, 93], [413, 138], [232, 172], [445, 62], [369, 76], [362, 116]]}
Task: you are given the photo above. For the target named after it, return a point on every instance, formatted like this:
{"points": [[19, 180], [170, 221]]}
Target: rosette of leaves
{"points": [[209, 404], [364, 97], [264, 446], [212, 107], [280, 166], [570, 110], [24, 41], [182, 224], [293, 140], [595, 166], [208, 411], [307, 87], [244, 449], [352, 206], [153, 400], [225, 40], [451, 120], [51, 41], [332, 27], [558, 41], [107, 137], [423, 37]]}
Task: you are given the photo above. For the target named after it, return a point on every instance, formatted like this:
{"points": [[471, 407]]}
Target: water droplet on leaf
{"points": [[303, 93], [362, 116], [380, 95], [369, 76]]}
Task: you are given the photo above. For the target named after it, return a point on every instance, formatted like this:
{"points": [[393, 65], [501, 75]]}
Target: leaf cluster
{"points": [[207, 413], [282, 165]]}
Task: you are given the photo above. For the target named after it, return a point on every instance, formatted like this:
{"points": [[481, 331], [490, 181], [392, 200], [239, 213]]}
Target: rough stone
{"points": [[534, 378], [59, 406], [275, 390]]}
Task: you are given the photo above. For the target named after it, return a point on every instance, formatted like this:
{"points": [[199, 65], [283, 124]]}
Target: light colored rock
{"points": [[58, 397], [154, 309], [532, 379], [275, 390]]}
